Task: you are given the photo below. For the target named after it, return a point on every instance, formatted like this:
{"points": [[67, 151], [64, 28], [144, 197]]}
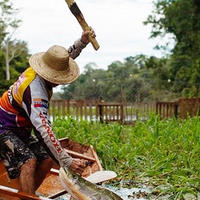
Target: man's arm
{"points": [[35, 103], [75, 50]]}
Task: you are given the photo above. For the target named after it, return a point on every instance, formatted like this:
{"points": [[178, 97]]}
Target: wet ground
{"points": [[132, 193], [143, 193], [124, 193]]}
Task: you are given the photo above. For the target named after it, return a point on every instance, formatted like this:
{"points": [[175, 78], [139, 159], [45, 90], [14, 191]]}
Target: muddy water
{"points": [[125, 193], [132, 193]]}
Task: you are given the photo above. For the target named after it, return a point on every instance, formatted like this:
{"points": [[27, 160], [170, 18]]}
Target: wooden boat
{"points": [[51, 186]]}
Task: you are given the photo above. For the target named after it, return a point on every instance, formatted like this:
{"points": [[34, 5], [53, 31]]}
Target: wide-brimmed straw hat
{"points": [[55, 65]]}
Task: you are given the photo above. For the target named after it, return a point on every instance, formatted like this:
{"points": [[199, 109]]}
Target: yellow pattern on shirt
{"points": [[23, 82]]}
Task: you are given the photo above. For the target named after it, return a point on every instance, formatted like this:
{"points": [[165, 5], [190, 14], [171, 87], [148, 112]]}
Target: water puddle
{"points": [[131, 193], [140, 193], [124, 193]]}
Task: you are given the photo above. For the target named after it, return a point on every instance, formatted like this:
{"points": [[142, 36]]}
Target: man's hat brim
{"points": [[58, 77]]}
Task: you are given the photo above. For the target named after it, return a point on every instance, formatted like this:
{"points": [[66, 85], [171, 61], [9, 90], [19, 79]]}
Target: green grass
{"points": [[156, 152]]}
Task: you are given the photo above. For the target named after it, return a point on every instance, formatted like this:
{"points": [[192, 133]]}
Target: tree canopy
{"points": [[181, 18], [138, 78]]}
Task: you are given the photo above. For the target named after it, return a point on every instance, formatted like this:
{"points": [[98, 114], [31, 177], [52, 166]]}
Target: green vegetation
{"points": [[139, 78], [169, 19], [160, 153]]}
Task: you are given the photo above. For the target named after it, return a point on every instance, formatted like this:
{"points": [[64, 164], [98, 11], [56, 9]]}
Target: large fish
{"points": [[81, 189]]}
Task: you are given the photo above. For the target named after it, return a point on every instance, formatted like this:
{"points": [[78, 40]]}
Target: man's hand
{"points": [[84, 37], [78, 165]]}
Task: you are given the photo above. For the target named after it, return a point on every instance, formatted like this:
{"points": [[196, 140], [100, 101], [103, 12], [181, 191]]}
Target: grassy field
{"points": [[161, 153]]}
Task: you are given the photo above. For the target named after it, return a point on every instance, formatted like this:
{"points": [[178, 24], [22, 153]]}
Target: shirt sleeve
{"points": [[39, 117], [75, 50]]}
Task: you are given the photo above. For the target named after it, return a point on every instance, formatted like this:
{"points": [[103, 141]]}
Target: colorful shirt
{"points": [[25, 106]]}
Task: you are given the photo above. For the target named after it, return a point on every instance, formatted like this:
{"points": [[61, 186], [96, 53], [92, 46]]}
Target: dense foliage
{"points": [[181, 19], [164, 154], [138, 78]]}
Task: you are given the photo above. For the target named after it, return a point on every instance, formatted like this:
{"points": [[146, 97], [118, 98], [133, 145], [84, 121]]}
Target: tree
{"points": [[88, 86], [136, 79], [180, 18], [13, 52], [10, 46]]}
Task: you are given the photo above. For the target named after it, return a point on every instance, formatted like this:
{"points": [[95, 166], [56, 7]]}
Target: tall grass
{"points": [[155, 152]]}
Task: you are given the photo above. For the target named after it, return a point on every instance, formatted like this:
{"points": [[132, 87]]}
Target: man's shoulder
{"points": [[38, 88]]}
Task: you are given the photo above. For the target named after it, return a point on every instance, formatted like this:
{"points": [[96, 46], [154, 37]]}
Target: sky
{"points": [[118, 25]]}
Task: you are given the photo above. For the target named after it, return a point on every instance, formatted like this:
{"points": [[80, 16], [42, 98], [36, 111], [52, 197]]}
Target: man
{"points": [[24, 107]]}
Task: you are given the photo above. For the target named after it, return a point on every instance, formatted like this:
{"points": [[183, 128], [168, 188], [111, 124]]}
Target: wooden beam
{"points": [[15, 193], [81, 156]]}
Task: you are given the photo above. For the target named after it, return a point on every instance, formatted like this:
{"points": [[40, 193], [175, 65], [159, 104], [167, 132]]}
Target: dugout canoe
{"points": [[51, 186]]}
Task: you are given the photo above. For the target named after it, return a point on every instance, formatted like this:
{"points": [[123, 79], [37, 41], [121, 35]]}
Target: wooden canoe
{"points": [[51, 186]]}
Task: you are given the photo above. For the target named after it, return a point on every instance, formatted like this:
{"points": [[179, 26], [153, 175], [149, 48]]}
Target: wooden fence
{"points": [[79, 110], [182, 108], [100, 111], [167, 109], [124, 113], [189, 107], [135, 111]]}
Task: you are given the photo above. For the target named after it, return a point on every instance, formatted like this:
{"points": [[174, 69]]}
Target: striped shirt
{"points": [[25, 106]]}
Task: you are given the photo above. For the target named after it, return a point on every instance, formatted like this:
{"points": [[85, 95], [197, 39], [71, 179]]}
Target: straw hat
{"points": [[55, 65]]}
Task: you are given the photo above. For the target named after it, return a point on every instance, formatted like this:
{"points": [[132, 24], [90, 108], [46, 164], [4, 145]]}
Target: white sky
{"points": [[118, 25]]}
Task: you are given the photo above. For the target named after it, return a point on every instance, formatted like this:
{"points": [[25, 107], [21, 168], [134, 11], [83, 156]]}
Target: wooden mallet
{"points": [[79, 16]]}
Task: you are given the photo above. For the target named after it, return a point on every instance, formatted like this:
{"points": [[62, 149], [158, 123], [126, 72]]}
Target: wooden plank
{"points": [[122, 113], [81, 110], [97, 111], [96, 158], [15, 193], [85, 110], [50, 186], [78, 155], [100, 108], [106, 112]]}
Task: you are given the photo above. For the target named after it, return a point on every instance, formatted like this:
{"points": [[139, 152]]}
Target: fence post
{"points": [[122, 113], [100, 113], [176, 110], [157, 103]]}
